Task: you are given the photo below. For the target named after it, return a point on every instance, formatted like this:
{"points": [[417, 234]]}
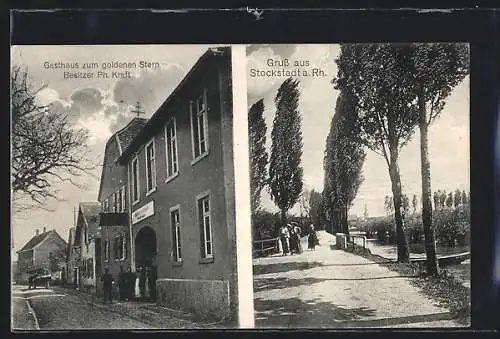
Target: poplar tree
{"points": [[258, 155], [285, 170], [343, 163]]}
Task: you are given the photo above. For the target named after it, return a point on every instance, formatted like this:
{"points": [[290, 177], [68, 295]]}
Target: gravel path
{"points": [[330, 288]]}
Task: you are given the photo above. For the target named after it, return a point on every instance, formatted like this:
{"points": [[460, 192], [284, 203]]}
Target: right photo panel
{"points": [[359, 183]]}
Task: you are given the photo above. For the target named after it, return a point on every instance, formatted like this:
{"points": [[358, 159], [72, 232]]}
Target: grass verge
{"points": [[444, 289]]}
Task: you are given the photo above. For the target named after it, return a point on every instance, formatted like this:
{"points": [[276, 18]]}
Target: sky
{"points": [[102, 106], [448, 135]]}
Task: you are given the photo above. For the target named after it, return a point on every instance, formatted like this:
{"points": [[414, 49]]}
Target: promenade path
{"points": [[330, 288]]}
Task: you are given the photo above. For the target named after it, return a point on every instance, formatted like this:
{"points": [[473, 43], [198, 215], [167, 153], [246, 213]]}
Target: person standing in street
{"points": [[312, 239], [129, 283], [285, 239], [121, 283], [107, 280], [296, 231]]}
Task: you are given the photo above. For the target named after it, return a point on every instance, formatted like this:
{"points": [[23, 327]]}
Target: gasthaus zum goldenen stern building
{"points": [[181, 188]]}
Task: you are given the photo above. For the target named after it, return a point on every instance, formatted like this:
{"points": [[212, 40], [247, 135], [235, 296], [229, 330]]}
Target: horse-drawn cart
{"points": [[39, 277]]}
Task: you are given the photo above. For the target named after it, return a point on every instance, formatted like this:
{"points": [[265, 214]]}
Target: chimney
{"points": [[37, 231], [44, 229]]}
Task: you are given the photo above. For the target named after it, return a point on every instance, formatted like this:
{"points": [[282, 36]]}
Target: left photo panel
{"points": [[124, 188]]}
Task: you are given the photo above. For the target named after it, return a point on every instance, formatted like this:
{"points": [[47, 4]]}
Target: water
{"points": [[459, 271]]}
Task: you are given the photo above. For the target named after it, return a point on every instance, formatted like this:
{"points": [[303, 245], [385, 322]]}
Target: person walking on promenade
{"points": [[296, 234], [107, 280], [285, 238], [312, 239]]}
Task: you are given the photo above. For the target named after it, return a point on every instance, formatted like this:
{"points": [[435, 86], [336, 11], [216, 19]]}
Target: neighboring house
{"points": [[181, 175], [87, 243], [71, 257], [37, 253], [114, 200]]}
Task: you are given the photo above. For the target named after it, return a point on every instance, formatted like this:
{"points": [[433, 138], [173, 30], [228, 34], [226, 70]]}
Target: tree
{"points": [[315, 207], [365, 213], [435, 69], [436, 200], [442, 198], [465, 201], [343, 163], [405, 203], [449, 200], [375, 74], [46, 148], [285, 170], [305, 210], [457, 198], [258, 155], [414, 203]]}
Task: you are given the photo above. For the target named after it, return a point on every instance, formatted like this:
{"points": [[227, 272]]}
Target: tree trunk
{"points": [[402, 241], [344, 220], [283, 217], [429, 232]]}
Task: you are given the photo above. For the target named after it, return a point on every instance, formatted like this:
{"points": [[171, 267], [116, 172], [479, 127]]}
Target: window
{"points": [[199, 126], [150, 167], [106, 250], [175, 221], [122, 199], [120, 248], [135, 180], [105, 206], [206, 244], [171, 145], [115, 202]]}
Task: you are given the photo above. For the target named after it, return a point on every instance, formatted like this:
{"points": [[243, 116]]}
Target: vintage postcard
{"points": [[359, 158], [240, 186], [123, 181]]}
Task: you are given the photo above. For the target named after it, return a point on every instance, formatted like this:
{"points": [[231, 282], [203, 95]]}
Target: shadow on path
{"points": [[284, 267], [296, 313], [297, 266], [279, 283]]}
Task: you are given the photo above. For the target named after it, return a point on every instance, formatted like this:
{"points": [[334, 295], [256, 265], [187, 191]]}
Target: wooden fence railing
{"points": [[265, 247]]}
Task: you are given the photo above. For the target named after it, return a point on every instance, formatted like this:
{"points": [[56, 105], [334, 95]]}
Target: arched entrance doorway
{"points": [[145, 252], [145, 247]]}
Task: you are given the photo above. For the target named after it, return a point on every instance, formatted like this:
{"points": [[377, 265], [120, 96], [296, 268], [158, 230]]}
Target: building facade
{"points": [[114, 200], [181, 187], [87, 246], [37, 253]]}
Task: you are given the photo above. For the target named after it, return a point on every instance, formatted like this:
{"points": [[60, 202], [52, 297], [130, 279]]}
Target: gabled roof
{"points": [[90, 212], [122, 139], [157, 120], [38, 239], [71, 241], [128, 133]]}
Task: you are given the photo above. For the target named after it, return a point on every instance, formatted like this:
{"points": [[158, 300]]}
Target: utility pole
{"points": [[138, 110], [75, 214]]}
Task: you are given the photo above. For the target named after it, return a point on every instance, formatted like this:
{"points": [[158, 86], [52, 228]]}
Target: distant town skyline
{"points": [[448, 135]]}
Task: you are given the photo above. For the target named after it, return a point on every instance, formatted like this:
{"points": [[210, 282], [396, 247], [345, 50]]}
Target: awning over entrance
{"points": [[114, 219]]}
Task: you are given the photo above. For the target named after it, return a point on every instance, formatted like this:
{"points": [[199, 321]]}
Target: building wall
{"points": [[87, 251], [110, 233], [24, 262], [211, 174], [42, 252], [113, 175]]}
